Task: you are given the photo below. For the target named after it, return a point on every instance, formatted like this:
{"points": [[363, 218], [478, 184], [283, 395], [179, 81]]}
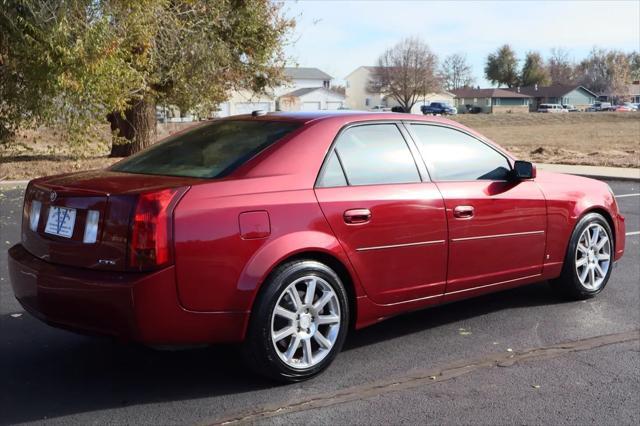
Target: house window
{"points": [[475, 100], [325, 84], [488, 102], [367, 102], [461, 101], [525, 102], [497, 101]]}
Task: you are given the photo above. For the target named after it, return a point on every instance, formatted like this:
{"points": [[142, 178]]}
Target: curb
{"points": [[597, 172]]}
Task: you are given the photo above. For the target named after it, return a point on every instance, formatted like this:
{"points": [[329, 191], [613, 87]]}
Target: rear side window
{"points": [[332, 173], [373, 154], [209, 151], [455, 156]]}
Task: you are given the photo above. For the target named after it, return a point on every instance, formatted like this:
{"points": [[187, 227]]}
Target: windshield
{"points": [[209, 151]]}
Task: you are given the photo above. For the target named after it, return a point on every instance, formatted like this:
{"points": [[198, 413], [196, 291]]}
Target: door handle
{"points": [[463, 212], [357, 216]]}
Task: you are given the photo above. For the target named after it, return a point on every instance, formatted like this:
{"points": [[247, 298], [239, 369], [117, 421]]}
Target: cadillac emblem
{"points": [[53, 196]]}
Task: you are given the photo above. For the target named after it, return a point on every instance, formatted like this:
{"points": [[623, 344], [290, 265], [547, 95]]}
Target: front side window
{"points": [[453, 155], [209, 151], [371, 155]]}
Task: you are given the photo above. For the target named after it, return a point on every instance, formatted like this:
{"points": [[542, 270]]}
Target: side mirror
{"points": [[524, 170]]}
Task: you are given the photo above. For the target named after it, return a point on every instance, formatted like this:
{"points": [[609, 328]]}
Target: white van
{"points": [[551, 108]]}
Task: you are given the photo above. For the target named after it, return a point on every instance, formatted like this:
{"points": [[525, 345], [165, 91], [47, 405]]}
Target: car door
{"points": [[497, 225], [389, 221]]}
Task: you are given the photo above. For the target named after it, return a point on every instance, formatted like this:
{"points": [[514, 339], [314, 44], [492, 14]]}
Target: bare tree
{"points": [[405, 72], [455, 72], [606, 71], [560, 68]]}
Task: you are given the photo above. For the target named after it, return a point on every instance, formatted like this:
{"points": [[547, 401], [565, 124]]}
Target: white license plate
{"points": [[61, 221]]}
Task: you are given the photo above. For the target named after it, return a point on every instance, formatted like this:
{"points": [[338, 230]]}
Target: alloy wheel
{"points": [[593, 256], [305, 322]]}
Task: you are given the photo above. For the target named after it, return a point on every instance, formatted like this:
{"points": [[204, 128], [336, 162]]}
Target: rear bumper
{"points": [[130, 306]]}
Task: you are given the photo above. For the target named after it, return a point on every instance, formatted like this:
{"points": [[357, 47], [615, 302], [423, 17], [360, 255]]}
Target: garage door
{"points": [[248, 107], [310, 106], [334, 105], [223, 110]]}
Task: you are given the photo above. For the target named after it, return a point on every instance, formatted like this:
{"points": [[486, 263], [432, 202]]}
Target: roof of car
{"points": [[352, 115]]}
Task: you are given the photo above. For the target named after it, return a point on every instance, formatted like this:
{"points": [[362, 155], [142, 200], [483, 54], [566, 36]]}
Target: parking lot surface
{"points": [[519, 356]]}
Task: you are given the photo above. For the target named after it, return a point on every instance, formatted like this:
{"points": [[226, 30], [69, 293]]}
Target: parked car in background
{"points": [[623, 108], [398, 109], [570, 108], [284, 231], [631, 105], [380, 108], [438, 108], [554, 108], [601, 106]]}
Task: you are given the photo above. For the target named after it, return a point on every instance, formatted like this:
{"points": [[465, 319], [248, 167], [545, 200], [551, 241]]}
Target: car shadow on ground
{"points": [[48, 373]]}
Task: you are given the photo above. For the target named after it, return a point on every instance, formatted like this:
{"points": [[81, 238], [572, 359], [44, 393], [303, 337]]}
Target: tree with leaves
{"points": [[456, 72], [77, 62], [560, 68], [502, 67], [533, 71], [634, 66], [405, 72]]}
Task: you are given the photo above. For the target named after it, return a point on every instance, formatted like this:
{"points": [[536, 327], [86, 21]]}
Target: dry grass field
{"points": [[598, 139], [606, 139]]}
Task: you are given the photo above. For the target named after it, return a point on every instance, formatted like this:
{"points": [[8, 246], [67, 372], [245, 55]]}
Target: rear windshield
{"points": [[210, 151]]}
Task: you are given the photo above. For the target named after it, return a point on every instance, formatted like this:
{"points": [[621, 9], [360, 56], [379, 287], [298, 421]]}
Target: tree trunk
{"points": [[135, 130]]}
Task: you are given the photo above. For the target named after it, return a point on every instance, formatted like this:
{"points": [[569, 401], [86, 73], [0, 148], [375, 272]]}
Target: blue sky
{"points": [[338, 36]]}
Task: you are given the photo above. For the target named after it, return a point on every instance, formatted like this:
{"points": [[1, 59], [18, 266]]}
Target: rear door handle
{"points": [[463, 212], [357, 216]]}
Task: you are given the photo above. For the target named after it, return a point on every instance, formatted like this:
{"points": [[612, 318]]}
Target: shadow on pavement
{"points": [[48, 373]]}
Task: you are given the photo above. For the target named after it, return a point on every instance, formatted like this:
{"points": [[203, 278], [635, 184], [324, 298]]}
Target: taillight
{"points": [[150, 242], [34, 214]]}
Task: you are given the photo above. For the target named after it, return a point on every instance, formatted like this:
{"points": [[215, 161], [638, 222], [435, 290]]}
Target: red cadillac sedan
{"points": [[285, 230]]}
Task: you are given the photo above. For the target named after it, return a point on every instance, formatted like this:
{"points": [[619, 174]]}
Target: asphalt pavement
{"points": [[520, 356]]}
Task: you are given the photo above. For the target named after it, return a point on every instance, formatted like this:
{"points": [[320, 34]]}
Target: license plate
{"points": [[61, 221]]}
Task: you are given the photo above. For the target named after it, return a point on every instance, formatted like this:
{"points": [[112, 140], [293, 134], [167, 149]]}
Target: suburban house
{"points": [[576, 95], [310, 99], [361, 98], [491, 101], [634, 92], [627, 93], [306, 89]]}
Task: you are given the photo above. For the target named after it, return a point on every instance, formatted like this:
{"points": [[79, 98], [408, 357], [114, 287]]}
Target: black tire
{"points": [[568, 284], [258, 348]]}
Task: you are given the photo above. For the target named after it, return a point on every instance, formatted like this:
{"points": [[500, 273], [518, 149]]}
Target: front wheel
{"points": [[588, 262], [299, 322]]}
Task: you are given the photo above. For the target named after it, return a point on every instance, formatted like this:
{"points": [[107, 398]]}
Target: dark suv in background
{"points": [[438, 108]]}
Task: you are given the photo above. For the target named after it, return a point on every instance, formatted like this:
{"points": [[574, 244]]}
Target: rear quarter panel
{"points": [[569, 198], [218, 270]]}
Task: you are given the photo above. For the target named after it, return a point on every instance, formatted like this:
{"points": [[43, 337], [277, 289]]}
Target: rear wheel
{"points": [[588, 262], [299, 322]]}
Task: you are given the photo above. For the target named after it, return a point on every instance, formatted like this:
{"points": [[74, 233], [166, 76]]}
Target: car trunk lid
{"points": [[84, 218]]}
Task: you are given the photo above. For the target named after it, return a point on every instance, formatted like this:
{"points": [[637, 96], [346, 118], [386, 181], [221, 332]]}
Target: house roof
{"points": [[306, 90], [486, 93], [553, 91], [302, 73]]}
